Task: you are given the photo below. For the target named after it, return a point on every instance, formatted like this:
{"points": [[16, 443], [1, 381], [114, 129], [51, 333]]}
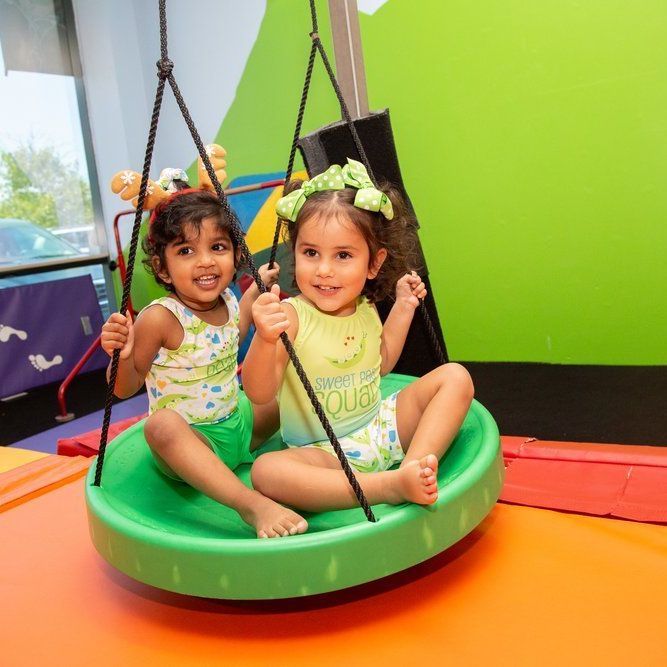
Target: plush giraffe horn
{"points": [[127, 183], [216, 155]]}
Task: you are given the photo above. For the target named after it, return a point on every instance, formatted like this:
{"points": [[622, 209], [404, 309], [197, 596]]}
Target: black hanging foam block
{"points": [[333, 144]]}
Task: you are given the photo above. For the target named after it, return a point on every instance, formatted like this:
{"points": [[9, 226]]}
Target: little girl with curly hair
{"points": [[353, 245], [184, 347]]}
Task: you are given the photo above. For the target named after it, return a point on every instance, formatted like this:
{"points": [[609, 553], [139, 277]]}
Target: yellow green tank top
{"points": [[341, 356]]}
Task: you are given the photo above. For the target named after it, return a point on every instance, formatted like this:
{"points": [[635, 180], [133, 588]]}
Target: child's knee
{"points": [[263, 471], [456, 376], [160, 427]]}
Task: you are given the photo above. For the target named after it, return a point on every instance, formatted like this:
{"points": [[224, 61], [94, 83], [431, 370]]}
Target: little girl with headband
{"points": [[184, 347], [353, 245]]}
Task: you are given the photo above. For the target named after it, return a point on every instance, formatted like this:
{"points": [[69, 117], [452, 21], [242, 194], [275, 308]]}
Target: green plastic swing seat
{"points": [[168, 535]]}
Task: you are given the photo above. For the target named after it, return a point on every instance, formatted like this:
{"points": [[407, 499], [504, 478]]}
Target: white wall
{"points": [[119, 45]]}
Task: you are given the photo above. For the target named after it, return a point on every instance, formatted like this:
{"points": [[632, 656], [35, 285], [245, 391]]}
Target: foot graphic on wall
{"points": [[41, 364], [6, 332]]}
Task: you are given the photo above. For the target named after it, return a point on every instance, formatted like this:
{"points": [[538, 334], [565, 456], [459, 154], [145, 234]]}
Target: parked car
{"points": [[23, 242], [83, 238]]}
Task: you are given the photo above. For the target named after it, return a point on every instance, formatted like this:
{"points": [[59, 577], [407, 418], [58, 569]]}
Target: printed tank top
{"points": [[341, 357], [197, 380]]}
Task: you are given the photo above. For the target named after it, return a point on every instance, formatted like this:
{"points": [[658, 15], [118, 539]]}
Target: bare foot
{"points": [[270, 519], [416, 482]]}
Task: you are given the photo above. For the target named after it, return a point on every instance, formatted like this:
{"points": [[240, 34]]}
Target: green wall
{"points": [[533, 142]]}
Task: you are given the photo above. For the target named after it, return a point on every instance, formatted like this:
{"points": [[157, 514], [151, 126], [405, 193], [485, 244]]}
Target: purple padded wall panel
{"points": [[44, 330]]}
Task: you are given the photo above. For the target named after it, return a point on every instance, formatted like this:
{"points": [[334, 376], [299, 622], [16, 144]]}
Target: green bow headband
{"points": [[336, 177]]}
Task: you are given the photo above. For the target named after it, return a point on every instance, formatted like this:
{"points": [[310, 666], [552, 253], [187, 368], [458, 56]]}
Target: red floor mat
{"points": [[623, 481], [88, 444]]}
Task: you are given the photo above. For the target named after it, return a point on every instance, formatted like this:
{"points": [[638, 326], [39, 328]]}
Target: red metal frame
{"points": [[122, 267], [64, 415]]}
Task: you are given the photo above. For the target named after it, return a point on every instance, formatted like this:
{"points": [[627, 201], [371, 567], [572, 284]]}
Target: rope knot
{"points": [[315, 36], [164, 68]]}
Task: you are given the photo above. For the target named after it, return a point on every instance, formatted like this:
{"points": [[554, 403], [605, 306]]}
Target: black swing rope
{"points": [[295, 140], [316, 45], [165, 67]]}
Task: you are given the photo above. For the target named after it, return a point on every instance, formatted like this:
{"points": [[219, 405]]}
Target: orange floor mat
{"points": [[527, 587], [37, 476]]}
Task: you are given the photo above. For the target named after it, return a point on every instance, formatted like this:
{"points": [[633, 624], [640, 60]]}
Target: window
{"points": [[47, 204]]}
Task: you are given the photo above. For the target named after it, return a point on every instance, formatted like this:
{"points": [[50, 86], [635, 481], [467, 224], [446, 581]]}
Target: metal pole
{"points": [[349, 56]]}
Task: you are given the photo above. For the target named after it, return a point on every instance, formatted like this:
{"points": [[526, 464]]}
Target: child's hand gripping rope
{"points": [[269, 316], [410, 290], [118, 334]]}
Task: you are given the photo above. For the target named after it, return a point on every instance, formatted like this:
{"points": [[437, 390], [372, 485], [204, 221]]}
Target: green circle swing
{"points": [[167, 534]]}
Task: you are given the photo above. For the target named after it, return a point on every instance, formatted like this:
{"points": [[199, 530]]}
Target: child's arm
{"points": [[270, 278], [138, 343], [265, 363], [409, 290]]}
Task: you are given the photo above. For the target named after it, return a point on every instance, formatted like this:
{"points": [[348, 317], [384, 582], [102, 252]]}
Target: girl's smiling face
{"points": [[332, 264], [200, 265]]}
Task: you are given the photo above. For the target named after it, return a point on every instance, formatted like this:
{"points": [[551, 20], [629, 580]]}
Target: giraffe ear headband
{"points": [[126, 183]]}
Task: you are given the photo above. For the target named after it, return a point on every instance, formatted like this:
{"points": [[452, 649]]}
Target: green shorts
{"points": [[229, 438]]}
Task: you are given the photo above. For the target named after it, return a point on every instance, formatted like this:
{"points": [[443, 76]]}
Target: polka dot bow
{"points": [[352, 174]]}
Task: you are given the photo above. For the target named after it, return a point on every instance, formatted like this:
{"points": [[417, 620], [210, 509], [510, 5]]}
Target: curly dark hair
{"points": [[398, 235], [169, 219]]}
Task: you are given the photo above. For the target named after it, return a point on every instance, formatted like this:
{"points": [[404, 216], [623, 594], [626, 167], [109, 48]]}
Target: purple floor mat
{"points": [[47, 440]]}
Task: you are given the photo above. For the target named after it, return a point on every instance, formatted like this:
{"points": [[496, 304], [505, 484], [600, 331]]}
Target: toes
{"points": [[297, 522], [277, 530], [267, 533], [284, 528], [273, 520], [431, 481], [302, 526], [431, 461], [287, 526], [294, 526]]}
